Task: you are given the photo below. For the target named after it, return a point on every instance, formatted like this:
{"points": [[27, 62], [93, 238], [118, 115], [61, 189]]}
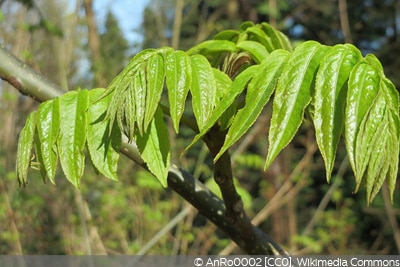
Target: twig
{"points": [[164, 230]]}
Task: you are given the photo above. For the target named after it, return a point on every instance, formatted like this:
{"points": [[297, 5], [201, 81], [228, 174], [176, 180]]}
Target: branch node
{"points": [[237, 207]]}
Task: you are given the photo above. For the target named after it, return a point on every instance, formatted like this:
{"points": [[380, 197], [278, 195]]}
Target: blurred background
{"points": [[85, 43]]}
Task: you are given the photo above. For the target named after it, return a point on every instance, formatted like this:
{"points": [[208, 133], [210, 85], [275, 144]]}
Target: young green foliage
{"points": [[330, 99], [48, 127], [62, 129], [292, 96], [24, 151], [225, 83]]}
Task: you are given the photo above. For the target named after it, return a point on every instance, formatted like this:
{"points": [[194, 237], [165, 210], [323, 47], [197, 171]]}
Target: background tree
{"points": [[113, 48]]}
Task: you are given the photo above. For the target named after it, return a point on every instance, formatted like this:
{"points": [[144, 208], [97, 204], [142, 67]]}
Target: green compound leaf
{"points": [[203, 89], [330, 99], [48, 126], [72, 136], [258, 94], [154, 148], [24, 150], [178, 80], [129, 84], [363, 86], [103, 148], [292, 95]]}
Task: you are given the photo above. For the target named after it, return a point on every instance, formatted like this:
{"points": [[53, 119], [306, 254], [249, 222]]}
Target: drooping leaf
{"points": [[212, 46], [292, 95], [154, 147], [258, 94], [229, 35], [330, 99], [132, 77], [72, 136], [394, 134], [140, 92], [363, 86], [257, 34], [203, 89], [115, 111], [223, 83], [127, 112], [257, 51], [377, 143], [236, 88], [38, 164], [278, 39], [178, 79], [245, 25], [103, 147], [155, 74], [24, 150], [374, 61], [48, 126], [371, 145]]}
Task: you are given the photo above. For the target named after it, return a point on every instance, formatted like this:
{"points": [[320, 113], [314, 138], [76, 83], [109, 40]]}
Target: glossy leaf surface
{"points": [[236, 88], [155, 74], [363, 87], [103, 148], [292, 96], [72, 136], [178, 79], [203, 89], [48, 124], [154, 148], [24, 149], [330, 99], [259, 91]]}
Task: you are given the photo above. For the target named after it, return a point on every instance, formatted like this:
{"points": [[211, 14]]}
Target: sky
{"points": [[128, 12]]}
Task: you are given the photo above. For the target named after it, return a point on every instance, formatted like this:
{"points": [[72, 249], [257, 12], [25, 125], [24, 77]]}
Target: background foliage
{"points": [[121, 217]]}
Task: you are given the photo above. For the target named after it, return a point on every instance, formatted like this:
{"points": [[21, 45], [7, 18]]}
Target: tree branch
{"points": [[250, 238]]}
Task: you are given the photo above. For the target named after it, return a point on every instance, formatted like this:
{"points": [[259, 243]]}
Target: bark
{"points": [[232, 220]]}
